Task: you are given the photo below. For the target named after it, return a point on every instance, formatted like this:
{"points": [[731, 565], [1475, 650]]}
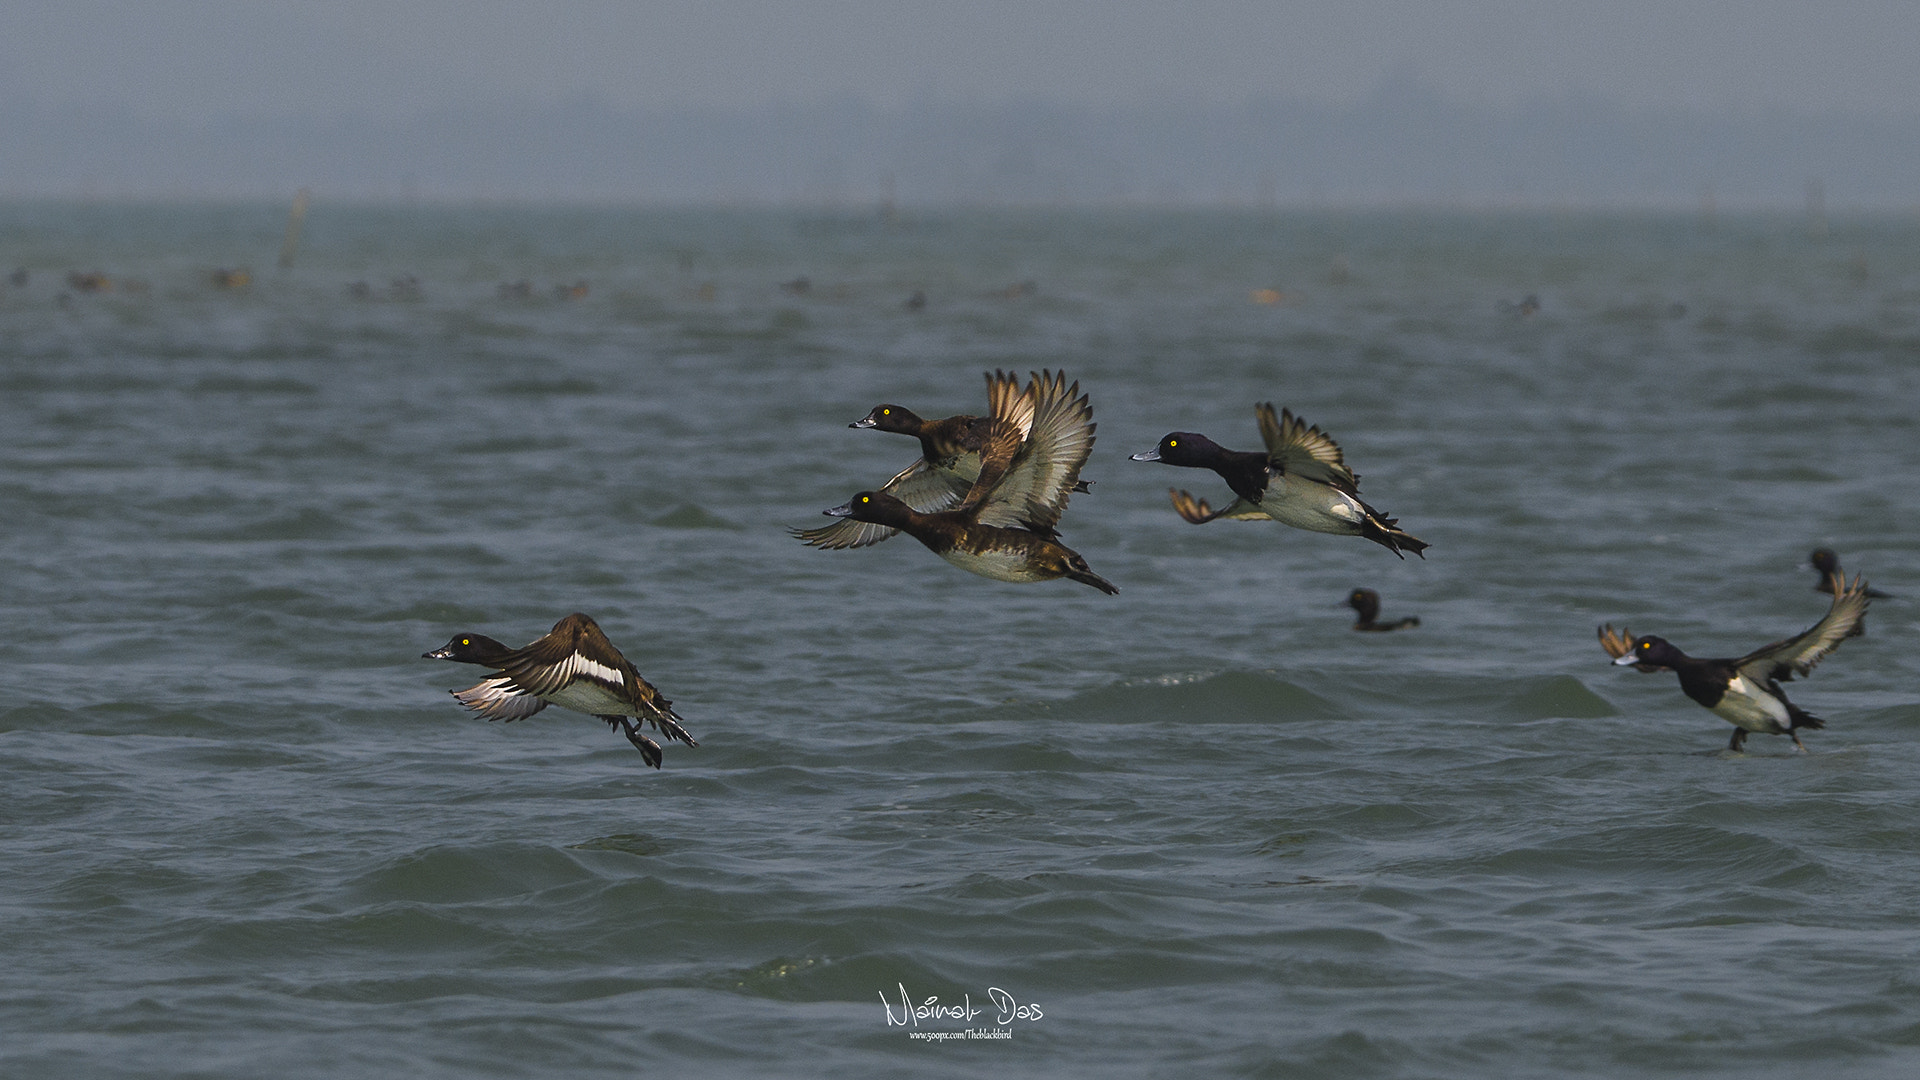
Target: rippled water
{"points": [[1201, 828]]}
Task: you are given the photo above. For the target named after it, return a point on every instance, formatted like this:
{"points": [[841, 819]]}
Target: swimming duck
{"points": [[948, 465], [1300, 481], [1005, 527], [575, 667], [1746, 692], [1367, 603]]}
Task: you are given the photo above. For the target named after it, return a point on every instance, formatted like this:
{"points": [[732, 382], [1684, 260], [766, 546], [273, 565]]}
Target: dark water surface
{"points": [[1201, 826]]}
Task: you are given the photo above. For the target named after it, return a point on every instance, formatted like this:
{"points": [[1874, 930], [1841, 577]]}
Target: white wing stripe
{"points": [[579, 667]]}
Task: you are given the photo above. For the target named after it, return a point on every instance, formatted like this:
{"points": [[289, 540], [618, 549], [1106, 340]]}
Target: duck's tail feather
{"points": [[1796, 719], [1382, 531], [668, 722], [1387, 532]]}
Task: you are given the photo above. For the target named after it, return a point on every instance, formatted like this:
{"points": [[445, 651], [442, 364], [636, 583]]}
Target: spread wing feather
{"points": [[921, 485], [575, 649], [1033, 490], [499, 699], [1799, 654], [1302, 449], [543, 676], [845, 533], [1012, 414], [1619, 643]]}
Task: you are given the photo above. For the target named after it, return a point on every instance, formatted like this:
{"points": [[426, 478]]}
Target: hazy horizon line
{"points": [[902, 210], [1406, 144]]}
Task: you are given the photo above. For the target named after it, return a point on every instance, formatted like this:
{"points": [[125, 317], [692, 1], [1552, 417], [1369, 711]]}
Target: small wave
{"points": [[1226, 697], [544, 387], [307, 523], [689, 516], [455, 875], [235, 384]]}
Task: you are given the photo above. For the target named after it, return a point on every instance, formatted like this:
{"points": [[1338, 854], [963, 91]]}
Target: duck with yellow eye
{"points": [[1301, 480], [938, 479], [573, 666], [1005, 528], [942, 442], [1745, 691]]}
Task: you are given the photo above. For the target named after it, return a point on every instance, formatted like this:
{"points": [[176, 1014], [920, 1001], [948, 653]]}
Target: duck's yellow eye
{"points": [[886, 412], [1173, 442], [864, 499], [464, 641]]}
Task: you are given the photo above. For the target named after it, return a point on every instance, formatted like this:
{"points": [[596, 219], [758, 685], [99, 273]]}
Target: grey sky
{"points": [[199, 59]]}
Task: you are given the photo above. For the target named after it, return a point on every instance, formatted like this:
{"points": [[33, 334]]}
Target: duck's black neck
{"points": [[1245, 471]]}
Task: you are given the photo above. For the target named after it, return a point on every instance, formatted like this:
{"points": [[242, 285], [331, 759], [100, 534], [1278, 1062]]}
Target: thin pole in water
{"points": [[295, 217]]}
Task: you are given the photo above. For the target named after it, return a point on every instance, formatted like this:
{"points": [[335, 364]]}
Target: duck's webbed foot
{"points": [[1739, 740], [1193, 510], [647, 747]]}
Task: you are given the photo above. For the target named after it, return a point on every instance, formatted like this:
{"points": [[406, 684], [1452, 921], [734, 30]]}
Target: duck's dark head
{"points": [[890, 418], [876, 507], [470, 649], [1366, 602], [1184, 448], [1825, 561], [1656, 651], [1073, 567]]}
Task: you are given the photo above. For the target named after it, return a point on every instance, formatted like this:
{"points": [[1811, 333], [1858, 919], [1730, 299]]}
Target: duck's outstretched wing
{"points": [[844, 533], [919, 485], [1033, 458], [1619, 643], [575, 648], [1302, 449], [499, 698], [1034, 490], [1199, 513], [1799, 654], [1011, 413]]}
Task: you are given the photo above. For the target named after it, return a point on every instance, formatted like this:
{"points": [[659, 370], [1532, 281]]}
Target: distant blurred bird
{"points": [[1832, 580], [1367, 603]]}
